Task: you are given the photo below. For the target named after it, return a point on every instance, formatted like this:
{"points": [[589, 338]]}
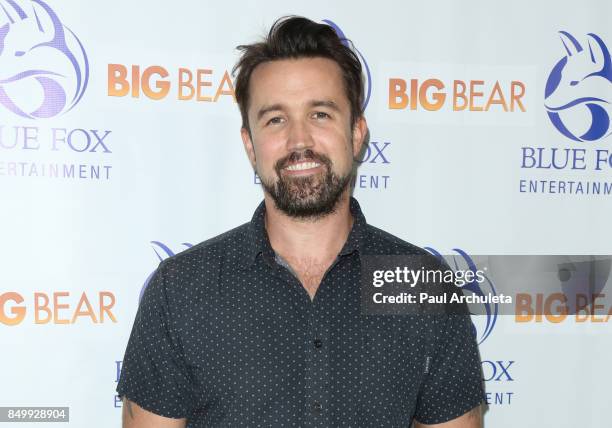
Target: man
{"points": [[261, 326]]}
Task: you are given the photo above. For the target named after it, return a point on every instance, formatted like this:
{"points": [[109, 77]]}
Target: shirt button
{"points": [[318, 343], [316, 407]]}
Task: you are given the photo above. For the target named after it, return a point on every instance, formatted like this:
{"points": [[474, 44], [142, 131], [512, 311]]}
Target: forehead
{"points": [[295, 81]]}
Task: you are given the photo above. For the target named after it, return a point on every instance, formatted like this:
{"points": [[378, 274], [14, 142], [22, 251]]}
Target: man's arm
{"points": [[471, 419], [154, 372], [135, 416]]}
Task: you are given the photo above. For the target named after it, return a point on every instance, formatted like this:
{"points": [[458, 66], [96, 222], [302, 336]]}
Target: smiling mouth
{"points": [[302, 166]]}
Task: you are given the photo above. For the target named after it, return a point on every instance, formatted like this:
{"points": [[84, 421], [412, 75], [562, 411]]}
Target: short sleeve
{"points": [[453, 383], [153, 373]]}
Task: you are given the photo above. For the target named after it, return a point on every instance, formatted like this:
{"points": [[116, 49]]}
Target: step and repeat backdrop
{"points": [[120, 146]]}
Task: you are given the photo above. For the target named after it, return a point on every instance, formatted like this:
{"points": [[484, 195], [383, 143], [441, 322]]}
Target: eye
{"points": [[276, 120], [573, 82], [19, 53], [321, 115]]}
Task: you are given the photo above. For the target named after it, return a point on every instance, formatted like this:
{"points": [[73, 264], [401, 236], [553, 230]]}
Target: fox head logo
{"points": [[579, 89], [482, 326], [43, 66], [367, 89], [163, 253]]}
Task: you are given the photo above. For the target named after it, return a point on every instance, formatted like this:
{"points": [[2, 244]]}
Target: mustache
{"points": [[304, 155]]}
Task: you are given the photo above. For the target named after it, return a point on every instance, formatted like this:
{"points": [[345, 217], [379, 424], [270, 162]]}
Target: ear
{"points": [[570, 43], [600, 56], [47, 22], [360, 131], [248, 145], [17, 12]]}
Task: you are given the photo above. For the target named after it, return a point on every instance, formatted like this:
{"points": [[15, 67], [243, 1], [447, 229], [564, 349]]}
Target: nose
{"points": [[299, 137]]}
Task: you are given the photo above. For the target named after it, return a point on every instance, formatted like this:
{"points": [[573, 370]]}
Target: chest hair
{"points": [[309, 271]]}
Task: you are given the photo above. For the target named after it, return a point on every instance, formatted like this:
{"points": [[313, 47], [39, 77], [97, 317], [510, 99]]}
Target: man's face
{"points": [[302, 144]]}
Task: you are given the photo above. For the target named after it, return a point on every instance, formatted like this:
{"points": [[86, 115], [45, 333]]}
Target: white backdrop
{"points": [[172, 172]]}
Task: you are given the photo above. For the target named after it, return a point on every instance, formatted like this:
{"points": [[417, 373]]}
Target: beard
{"points": [[307, 197]]}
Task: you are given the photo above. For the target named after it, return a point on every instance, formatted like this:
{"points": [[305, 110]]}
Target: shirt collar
{"points": [[257, 241]]}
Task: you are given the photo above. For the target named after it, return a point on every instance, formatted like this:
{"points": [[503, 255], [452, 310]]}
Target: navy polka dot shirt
{"points": [[226, 336]]}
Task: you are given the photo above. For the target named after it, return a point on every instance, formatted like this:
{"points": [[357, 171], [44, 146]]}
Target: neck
{"points": [[319, 239]]}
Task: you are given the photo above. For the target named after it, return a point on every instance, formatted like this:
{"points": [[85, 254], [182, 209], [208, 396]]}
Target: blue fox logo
{"points": [[366, 69], [39, 56], [579, 85], [485, 324], [163, 253]]}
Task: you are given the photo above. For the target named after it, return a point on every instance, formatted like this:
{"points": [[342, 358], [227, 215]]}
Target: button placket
{"points": [[317, 365]]}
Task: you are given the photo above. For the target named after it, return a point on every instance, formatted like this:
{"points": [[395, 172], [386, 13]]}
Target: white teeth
{"points": [[301, 166]]}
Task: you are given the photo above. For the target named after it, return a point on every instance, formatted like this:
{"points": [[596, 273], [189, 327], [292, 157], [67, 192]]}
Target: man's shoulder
{"points": [[211, 251], [380, 242]]}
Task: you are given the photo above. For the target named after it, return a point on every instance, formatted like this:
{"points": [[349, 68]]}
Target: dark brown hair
{"points": [[293, 37]]}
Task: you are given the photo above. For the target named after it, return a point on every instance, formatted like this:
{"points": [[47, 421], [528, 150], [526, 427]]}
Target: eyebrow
{"points": [[314, 103], [327, 103], [267, 109]]}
